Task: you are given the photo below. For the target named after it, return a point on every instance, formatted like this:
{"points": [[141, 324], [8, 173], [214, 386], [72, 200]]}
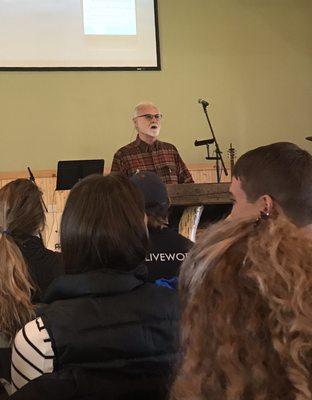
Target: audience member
{"points": [[245, 287], [147, 153], [274, 178], [23, 214], [26, 267], [105, 332], [168, 248]]}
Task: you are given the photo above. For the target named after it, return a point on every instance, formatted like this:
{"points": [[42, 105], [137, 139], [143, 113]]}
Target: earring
{"points": [[264, 214]]}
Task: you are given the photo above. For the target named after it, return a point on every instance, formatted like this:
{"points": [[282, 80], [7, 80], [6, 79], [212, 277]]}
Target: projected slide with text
{"points": [[85, 34], [109, 17]]}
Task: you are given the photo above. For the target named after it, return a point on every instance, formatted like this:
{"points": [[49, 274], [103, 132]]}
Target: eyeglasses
{"points": [[149, 117]]}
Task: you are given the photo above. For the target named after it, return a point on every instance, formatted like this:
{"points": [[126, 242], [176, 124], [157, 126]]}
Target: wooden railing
{"points": [[55, 200]]}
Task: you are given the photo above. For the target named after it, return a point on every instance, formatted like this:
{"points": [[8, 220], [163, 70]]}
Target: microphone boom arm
{"points": [[218, 156]]}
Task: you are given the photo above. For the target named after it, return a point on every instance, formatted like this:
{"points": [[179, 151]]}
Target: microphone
{"points": [[203, 102], [309, 138], [203, 142], [31, 176]]}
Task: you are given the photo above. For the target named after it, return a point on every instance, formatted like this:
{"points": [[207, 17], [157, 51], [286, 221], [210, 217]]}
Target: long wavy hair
{"points": [[21, 215], [246, 291]]}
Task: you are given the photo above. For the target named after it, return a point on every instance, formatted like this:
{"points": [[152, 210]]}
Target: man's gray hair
{"points": [[140, 105]]}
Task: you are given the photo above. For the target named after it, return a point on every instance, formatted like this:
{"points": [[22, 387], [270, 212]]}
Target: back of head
{"points": [[21, 208], [247, 318], [21, 215], [283, 171], [103, 225], [155, 197]]}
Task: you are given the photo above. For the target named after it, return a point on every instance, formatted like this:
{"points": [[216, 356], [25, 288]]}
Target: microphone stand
{"points": [[32, 178], [218, 152]]}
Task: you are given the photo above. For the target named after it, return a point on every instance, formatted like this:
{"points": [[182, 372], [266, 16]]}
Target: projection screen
{"points": [[79, 34]]}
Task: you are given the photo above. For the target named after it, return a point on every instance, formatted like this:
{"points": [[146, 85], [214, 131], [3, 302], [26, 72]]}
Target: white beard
{"points": [[152, 132]]}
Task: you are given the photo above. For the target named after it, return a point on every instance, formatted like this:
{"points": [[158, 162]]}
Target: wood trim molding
{"points": [[55, 199], [51, 173]]}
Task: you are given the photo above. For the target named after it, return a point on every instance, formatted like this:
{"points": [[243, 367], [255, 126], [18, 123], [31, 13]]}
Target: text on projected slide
{"points": [[109, 17]]}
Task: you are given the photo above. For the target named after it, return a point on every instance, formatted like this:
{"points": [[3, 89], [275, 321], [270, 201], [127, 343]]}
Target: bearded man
{"points": [[147, 153]]}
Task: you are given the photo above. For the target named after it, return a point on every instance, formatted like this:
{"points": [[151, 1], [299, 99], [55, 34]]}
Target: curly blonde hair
{"points": [[246, 292]]}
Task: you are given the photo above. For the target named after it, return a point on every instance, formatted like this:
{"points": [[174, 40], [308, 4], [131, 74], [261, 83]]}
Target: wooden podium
{"points": [[194, 199], [191, 194]]}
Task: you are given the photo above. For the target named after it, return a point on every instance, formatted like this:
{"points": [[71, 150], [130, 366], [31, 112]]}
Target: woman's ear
{"points": [[266, 204]]}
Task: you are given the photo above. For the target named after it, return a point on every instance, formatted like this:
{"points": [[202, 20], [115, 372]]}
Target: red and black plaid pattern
{"points": [[161, 158]]}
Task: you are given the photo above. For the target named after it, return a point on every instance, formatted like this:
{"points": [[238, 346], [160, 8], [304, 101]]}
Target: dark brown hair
{"points": [[283, 171], [21, 215], [21, 201], [156, 198], [247, 313], [103, 225]]}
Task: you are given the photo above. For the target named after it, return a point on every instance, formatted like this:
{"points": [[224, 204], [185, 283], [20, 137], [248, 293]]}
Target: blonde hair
{"points": [[247, 313], [15, 288], [21, 214]]}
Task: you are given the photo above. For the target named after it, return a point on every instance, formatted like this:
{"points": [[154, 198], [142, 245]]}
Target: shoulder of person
{"points": [[33, 245], [34, 338], [32, 353], [172, 233], [124, 148]]}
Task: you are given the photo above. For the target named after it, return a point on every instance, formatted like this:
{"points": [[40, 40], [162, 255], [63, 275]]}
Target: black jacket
{"points": [[44, 264], [78, 384], [112, 330]]}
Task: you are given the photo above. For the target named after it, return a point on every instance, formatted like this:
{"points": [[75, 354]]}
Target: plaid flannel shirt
{"points": [[161, 158]]}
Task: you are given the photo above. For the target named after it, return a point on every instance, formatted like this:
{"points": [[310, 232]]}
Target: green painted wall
{"points": [[251, 59]]}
